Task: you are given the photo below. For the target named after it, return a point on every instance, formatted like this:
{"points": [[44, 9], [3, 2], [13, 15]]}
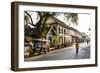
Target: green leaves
{"points": [[26, 18], [55, 40], [72, 17]]}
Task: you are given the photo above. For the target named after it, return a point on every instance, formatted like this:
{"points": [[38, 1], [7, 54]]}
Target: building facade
{"points": [[67, 35]]}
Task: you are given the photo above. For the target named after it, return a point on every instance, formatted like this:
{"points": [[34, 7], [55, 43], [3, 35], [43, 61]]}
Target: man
{"points": [[87, 41], [77, 46]]}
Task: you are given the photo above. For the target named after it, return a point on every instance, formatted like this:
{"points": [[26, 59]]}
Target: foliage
{"points": [[28, 18], [43, 33], [43, 27], [55, 40], [26, 27], [72, 17]]}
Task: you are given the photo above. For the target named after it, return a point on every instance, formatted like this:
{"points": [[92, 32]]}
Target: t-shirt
{"points": [[77, 45]]}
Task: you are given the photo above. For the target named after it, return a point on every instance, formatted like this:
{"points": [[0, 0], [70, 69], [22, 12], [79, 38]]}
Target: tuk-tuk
{"points": [[41, 46], [35, 46]]}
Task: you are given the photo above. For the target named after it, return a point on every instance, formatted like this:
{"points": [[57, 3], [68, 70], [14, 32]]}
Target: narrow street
{"points": [[65, 54]]}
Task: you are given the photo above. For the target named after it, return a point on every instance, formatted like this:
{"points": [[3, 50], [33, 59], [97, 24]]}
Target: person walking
{"points": [[77, 47], [87, 41]]}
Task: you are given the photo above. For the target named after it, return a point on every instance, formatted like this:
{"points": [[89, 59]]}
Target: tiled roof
{"points": [[60, 22], [64, 25]]}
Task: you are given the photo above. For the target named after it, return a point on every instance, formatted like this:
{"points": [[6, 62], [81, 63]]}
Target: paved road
{"points": [[65, 54]]}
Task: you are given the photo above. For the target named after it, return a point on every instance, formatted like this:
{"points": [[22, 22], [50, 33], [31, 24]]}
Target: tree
{"points": [[71, 17], [41, 25], [28, 18], [26, 27], [28, 24], [44, 16]]}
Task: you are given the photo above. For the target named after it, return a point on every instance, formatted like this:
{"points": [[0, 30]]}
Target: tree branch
{"points": [[30, 18]]}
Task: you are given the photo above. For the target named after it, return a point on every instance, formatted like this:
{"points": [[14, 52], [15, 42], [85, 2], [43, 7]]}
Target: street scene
{"points": [[56, 36], [65, 53]]}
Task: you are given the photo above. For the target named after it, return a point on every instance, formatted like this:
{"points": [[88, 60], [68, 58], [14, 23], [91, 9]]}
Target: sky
{"points": [[83, 22]]}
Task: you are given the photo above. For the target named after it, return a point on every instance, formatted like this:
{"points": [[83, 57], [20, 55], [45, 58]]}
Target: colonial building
{"points": [[66, 34]]}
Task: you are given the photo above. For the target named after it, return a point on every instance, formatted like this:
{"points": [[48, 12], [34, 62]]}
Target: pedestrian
{"points": [[87, 41], [77, 47]]}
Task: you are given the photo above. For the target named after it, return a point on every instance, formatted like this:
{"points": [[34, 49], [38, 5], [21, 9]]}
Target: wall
{"points": [[5, 34]]}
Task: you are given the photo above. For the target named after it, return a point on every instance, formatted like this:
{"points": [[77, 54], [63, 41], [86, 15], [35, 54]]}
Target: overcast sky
{"points": [[83, 22]]}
